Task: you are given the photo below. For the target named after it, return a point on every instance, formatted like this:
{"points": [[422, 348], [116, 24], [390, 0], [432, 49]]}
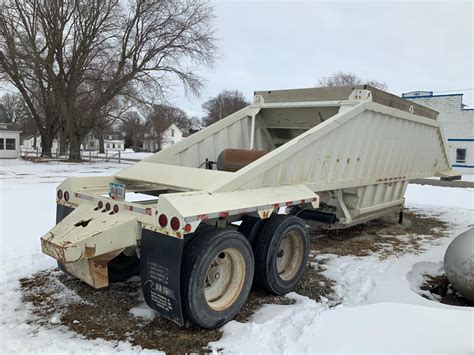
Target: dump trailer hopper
{"points": [[338, 156]]}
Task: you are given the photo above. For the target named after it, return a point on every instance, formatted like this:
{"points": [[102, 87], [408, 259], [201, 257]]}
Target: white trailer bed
{"points": [[339, 156]]}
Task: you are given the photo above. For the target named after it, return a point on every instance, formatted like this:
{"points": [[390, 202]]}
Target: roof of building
{"points": [[9, 127], [425, 94], [160, 126], [413, 95]]}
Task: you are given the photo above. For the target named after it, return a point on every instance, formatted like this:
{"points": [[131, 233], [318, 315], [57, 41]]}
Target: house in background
{"points": [[9, 136], [162, 135], [113, 141], [457, 122], [33, 142]]}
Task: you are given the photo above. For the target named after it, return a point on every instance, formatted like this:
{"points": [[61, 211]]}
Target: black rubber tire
{"points": [[62, 268], [202, 228], [266, 253], [122, 267], [251, 228], [197, 258]]}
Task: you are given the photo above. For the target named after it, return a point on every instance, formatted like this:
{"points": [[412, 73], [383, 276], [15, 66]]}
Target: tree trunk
{"points": [[135, 144], [75, 141], [46, 145], [100, 133], [62, 141]]}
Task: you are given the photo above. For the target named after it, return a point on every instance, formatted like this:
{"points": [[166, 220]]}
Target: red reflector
{"points": [[100, 204], [116, 209], [163, 220], [60, 194], [174, 223], [66, 196], [107, 206], [187, 228]]}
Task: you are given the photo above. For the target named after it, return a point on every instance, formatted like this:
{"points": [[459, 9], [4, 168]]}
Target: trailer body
{"points": [[345, 154]]}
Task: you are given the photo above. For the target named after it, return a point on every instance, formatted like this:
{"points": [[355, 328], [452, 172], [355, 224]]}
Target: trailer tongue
{"points": [[340, 156]]}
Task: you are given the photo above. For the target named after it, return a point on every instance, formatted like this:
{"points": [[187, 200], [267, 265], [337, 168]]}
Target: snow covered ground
{"points": [[379, 311]]}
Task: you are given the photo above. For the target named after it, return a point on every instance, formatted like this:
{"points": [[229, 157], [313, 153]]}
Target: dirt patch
{"points": [[442, 291], [384, 237], [58, 298]]}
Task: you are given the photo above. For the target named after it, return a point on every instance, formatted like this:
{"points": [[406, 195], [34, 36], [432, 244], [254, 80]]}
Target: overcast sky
{"points": [[276, 45], [410, 46]]}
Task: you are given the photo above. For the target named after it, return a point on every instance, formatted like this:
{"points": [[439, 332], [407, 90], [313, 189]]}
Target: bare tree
{"points": [[224, 104], [162, 117], [134, 128], [344, 79], [19, 113], [16, 108], [82, 54]]}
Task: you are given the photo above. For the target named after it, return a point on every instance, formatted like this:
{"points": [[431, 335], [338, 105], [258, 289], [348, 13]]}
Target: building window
{"points": [[91, 144], [113, 145], [460, 155], [2, 142], [172, 132], [108, 145], [10, 144]]}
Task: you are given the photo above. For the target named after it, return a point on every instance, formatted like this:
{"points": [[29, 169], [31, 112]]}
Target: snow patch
{"points": [[417, 276]]}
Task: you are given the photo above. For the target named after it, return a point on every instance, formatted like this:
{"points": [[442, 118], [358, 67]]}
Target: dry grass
{"points": [[105, 313]]}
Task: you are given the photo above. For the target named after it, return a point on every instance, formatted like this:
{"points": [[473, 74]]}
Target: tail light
{"points": [[107, 206], [174, 223], [187, 228], [100, 204], [116, 208], [66, 196], [163, 220], [60, 194]]}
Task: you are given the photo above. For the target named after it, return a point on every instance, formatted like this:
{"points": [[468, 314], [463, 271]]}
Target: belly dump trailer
{"points": [[338, 156]]}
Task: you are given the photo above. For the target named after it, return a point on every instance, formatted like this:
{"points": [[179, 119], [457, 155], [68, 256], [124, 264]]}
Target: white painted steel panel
{"points": [[366, 149]]}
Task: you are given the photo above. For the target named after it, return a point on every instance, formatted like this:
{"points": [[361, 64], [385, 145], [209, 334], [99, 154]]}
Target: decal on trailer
{"points": [[160, 269], [117, 191]]}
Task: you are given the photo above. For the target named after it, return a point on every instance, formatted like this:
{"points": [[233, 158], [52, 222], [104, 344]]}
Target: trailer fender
{"points": [[160, 271]]}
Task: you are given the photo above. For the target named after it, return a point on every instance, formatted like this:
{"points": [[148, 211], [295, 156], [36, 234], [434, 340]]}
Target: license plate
{"points": [[117, 191]]}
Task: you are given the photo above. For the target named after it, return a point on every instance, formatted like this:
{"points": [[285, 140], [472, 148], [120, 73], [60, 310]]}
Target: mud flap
{"points": [[160, 271]]}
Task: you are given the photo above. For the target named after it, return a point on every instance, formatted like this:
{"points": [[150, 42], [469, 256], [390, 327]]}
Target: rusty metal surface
{"points": [[235, 159], [87, 233], [93, 271]]}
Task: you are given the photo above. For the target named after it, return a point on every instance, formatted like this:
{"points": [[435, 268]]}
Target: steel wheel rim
{"points": [[289, 255], [224, 279]]}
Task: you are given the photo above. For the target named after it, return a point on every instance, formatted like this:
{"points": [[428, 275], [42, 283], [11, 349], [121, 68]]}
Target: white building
{"points": [[113, 141], [9, 136], [33, 142], [458, 125], [170, 134]]}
